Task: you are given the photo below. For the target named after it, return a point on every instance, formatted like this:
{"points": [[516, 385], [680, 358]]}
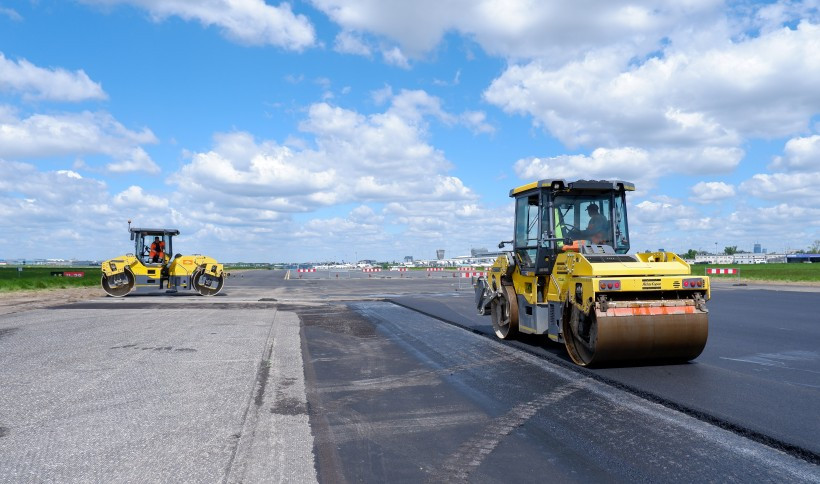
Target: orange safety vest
{"points": [[157, 248]]}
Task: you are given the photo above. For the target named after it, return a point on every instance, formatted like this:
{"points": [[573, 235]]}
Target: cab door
{"points": [[527, 228]]}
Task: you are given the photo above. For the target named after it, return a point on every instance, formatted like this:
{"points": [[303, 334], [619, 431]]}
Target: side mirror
{"points": [[503, 243]]}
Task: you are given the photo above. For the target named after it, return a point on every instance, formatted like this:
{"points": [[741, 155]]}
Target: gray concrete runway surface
{"points": [[329, 379]]}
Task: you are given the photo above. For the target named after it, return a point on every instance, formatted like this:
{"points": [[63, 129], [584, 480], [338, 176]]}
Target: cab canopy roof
{"points": [[152, 232], [560, 184]]}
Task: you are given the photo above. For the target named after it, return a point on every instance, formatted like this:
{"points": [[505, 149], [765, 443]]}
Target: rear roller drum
{"points": [[206, 284], [504, 312], [118, 285]]}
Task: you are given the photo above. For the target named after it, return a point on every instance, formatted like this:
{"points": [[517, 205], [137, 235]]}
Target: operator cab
{"points": [[551, 215], [145, 249]]}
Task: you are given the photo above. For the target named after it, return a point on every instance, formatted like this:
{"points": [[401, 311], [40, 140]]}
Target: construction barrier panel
{"points": [[469, 274], [714, 270], [375, 269], [435, 269], [68, 273], [306, 270]]}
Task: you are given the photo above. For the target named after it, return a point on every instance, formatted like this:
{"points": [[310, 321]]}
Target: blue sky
{"points": [[335, 129]]}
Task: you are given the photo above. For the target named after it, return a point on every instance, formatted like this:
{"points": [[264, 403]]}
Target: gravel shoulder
{"points": [[18, 301]]}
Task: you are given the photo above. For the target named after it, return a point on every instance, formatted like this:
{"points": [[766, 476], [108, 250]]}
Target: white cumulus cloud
{"points": [[396, 57], [135, 197], [638, 165], [350, 43], [381, 163], [761, 86], [795, 188], [251, 22], [54, 84], [799, 154], [518, 28], [707, 192], [43, 135]]}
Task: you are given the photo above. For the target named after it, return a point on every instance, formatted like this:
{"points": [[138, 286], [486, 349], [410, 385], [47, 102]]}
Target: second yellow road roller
{"points": [[152, 268], [570, 276]]}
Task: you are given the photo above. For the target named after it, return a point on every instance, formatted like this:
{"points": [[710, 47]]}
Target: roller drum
{"points": [[653, 332], [504, 313], [206, 284], [118, 285]]}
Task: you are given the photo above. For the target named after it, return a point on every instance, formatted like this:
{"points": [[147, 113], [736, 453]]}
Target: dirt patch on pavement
{"points": [[17, 301]]}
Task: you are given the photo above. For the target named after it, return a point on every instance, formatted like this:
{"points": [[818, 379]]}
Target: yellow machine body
{"points": [[603, 304], [140, 271]]}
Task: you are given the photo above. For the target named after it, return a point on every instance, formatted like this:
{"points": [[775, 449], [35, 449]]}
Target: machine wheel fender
{"points": [[484, 295], [511, 265]]}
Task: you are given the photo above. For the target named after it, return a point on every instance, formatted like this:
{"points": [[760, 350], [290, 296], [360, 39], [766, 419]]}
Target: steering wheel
{"points": [[571, 231]]}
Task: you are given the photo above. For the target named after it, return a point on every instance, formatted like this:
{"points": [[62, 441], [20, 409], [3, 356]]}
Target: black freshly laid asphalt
{"points": [[398, 396], [760, 369], [329, 377]]}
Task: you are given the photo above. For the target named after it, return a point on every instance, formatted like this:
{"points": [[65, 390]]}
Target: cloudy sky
{"points": [[342, 129]]}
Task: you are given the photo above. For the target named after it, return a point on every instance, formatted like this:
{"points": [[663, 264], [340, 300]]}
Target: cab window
{"points": [[621, 229], [526, 229], [585, 217]]}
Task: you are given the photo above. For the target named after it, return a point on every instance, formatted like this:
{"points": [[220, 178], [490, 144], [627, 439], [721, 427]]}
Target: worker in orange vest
{"points": [[157, 250]]}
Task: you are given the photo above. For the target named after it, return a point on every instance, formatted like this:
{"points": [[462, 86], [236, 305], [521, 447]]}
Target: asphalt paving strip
{"points": [[594, 433], [328, 463], [458, 466], [790, 449]]}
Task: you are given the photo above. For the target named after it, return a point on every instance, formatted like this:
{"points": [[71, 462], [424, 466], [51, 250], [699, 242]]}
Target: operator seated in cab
{"points": [[597, 231], [598, 226], [157, 254]]}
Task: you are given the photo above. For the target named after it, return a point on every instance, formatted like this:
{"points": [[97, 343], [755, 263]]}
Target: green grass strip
{"points": [[32, 278], [794, 272]]}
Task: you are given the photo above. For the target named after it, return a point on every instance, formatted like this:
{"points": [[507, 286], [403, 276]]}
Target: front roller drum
{"points": [[504, 313], [118, 285], [633, 334], [207, 284]]}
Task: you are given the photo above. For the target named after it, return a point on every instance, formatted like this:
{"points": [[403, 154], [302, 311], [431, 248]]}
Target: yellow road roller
{"points": [[569, 276], [151, 267]]}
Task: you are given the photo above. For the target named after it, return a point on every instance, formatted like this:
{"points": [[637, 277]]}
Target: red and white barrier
{"points": [[399, 269], [713, 270], [372, 269], [435, 269], [469, 274], [306, 270]]}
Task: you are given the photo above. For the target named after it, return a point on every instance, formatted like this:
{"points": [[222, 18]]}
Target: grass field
{"points": [[40, 278], [765, 272]]}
